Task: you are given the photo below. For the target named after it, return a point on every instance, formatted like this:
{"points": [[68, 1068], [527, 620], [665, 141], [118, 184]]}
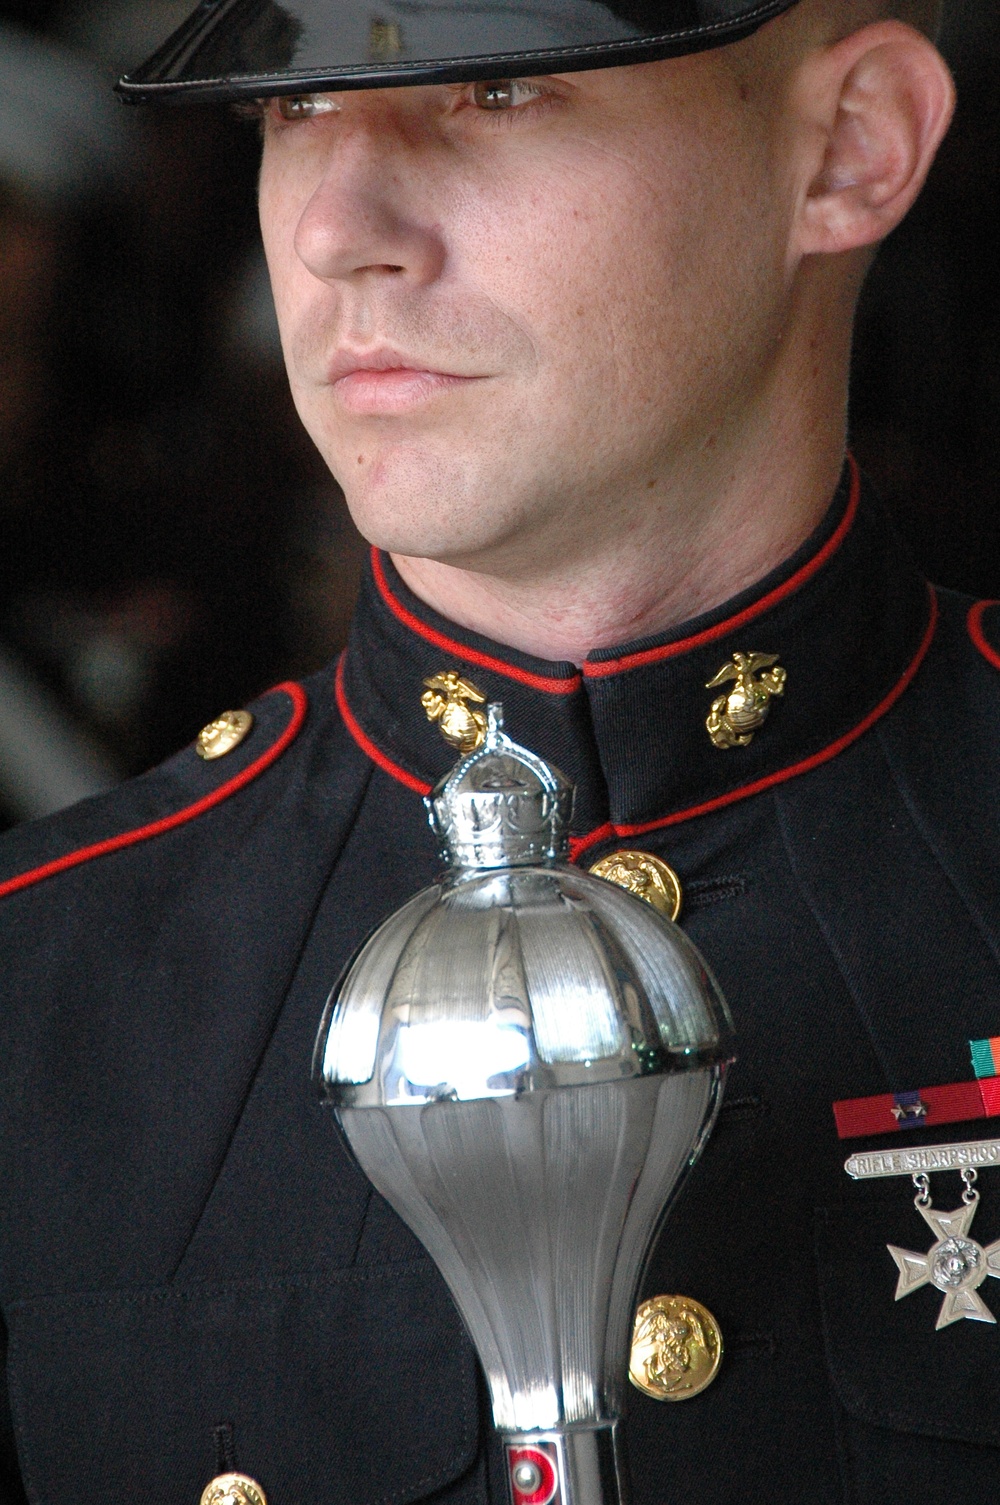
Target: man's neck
{"points": [[712, 533]]}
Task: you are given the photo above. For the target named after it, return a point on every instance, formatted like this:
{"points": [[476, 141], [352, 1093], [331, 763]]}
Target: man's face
{"points": [[567, 286]]}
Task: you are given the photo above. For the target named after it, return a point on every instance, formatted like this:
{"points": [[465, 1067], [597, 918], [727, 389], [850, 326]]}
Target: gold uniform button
{"points": [[223, 734], [647, 877], [233, 1489], [676, 1348]]}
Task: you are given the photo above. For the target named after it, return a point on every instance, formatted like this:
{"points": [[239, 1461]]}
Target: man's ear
{"points": [[875, 107]]}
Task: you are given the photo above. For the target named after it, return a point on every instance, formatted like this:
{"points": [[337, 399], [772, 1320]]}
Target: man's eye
{"points": [[504, 93], [305, 106]]}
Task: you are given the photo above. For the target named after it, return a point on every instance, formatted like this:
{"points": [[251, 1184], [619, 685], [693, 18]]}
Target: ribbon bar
{"points": [[890, 1112], [985, 1057]]}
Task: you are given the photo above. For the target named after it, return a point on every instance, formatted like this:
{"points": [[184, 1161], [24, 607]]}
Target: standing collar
{"points": [[848, 617]]}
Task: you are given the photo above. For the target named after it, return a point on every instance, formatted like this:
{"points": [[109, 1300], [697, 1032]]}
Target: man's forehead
{"points": [[254, 47]]}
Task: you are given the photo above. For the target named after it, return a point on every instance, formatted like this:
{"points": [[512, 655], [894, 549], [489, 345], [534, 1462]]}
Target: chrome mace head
{"points": [[526, 1060]]}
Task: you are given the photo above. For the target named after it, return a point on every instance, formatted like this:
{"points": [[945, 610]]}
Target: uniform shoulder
{"points": [[241, 749], [982, 623], [967, 641], [951, 711]]}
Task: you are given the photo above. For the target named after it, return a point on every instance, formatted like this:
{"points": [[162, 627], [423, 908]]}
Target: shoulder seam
{"points": [[974, 621], [181, 817]]}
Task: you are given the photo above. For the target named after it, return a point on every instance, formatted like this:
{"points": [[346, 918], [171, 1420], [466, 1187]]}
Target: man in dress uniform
{"points": [[569, 316]]}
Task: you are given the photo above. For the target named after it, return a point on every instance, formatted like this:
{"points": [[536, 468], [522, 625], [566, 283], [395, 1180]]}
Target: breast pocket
{"points": [[355, 1389], [921, 1406]]}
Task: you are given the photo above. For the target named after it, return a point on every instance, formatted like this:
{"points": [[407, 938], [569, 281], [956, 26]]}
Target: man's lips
{"points": [[387, 381]]}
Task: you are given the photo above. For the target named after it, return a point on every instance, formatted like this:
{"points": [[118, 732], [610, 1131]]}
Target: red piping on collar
{"points": [[978, 636], [549, 684], [604, 667], [365, 743], [180, 817], [608, 832]]}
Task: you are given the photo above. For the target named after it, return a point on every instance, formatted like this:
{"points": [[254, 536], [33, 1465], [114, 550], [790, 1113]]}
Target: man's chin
{"points": [[408, 500], [415, 524], [447, 498]]}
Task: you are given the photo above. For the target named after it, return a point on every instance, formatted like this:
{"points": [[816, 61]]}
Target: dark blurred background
{"points": [[169, 542]]}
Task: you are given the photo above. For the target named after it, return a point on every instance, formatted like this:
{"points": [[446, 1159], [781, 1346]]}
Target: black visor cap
{"points": [[240, 49]]}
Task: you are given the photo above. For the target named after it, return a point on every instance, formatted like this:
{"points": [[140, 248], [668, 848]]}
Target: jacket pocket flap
{"points": [[890, 1366], [356, 1388]]}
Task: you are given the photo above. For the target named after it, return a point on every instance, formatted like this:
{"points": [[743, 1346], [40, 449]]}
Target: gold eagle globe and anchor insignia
{"points": [[676, 1348], [447, 700], [223, 734], [647, 877], [233, 1489], [742, 711], [385, 40]]}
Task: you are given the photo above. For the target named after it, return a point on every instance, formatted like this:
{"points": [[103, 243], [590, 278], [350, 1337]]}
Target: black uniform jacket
{"points": [[185, 1243]]}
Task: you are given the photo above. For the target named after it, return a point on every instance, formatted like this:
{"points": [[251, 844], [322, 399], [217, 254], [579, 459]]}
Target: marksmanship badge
{"points": [[955, 1264]]}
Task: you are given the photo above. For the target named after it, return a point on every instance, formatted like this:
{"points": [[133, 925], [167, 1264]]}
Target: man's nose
{"points": [[363, 219]]}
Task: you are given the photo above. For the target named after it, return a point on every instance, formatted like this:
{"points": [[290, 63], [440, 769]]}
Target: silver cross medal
{"points": [[955, 1265]]}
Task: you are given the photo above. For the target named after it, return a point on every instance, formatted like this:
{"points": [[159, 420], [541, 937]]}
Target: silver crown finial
{"points": [[501, 806]]}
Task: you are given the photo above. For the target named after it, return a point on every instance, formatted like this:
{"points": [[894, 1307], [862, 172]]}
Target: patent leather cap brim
{"points": [[239, 49]]}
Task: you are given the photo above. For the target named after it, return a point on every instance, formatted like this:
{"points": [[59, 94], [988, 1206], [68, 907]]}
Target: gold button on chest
{"points": [[223, 734], [233, 1489], [676, 1348], [645, 876]]}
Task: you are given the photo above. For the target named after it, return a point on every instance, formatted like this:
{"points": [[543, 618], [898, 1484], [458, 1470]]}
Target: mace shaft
{"points": [[578, 1466]]}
